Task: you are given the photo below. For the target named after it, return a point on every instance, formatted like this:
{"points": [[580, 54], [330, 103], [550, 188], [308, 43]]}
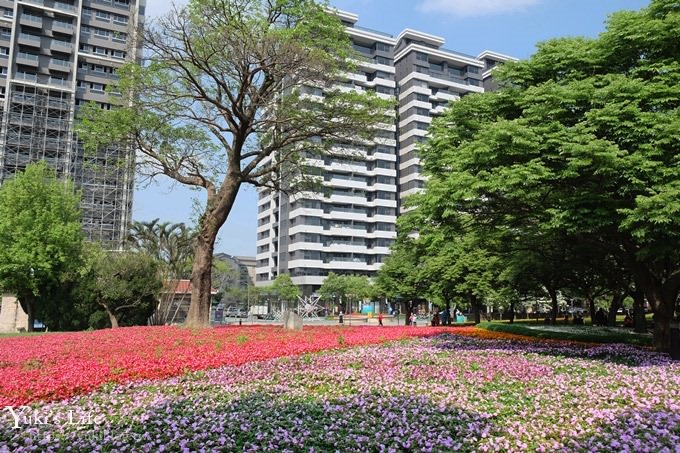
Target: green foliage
{"points": [[333, 288], [126, 285], [577, 150], [40, 237], [171, 244], [284, 288]]}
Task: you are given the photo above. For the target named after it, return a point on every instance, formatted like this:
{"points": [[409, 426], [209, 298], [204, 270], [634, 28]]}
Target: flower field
{"points": [[452, 392], [57, 366]]}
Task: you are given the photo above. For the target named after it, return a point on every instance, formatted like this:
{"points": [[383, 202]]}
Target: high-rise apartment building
{"points": [[349, 228], [55, 56]]}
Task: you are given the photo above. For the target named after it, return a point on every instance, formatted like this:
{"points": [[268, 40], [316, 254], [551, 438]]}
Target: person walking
{"points": [[413, 318], [380, 319]]}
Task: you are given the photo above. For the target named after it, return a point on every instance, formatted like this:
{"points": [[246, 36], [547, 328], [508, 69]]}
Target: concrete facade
{"points": [[54, 56], [349, 228]]}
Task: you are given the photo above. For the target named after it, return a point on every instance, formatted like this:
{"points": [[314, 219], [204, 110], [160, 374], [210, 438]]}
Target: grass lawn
{"points": [[570, 332]]}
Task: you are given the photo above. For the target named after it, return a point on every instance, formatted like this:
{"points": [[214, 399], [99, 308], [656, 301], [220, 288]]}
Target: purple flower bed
{"points": [[440, 394]]}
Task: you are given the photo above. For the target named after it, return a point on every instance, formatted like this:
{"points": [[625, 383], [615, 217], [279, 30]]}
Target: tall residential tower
{"points": [[55, 56], [349, 228]]}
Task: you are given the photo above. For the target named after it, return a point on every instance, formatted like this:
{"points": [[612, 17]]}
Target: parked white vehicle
{"points": [[258, 311], [235, 312]]}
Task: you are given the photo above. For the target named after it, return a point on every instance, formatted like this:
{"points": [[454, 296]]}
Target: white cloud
{"points": [[471, 8]]}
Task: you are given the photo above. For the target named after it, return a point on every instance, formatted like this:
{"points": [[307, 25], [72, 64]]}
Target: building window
{"points": [[119, 37], [383, 47], [382, 60], [103, 16], [101, 33]]}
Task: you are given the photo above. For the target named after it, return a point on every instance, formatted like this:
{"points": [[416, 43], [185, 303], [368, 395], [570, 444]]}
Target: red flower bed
{"points": [[60, 365]]}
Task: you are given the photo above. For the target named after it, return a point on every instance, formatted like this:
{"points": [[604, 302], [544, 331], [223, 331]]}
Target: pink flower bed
{"points": [[57, 366]]}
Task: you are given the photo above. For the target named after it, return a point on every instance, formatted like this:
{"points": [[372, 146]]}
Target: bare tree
{"points": [[221, 101]]}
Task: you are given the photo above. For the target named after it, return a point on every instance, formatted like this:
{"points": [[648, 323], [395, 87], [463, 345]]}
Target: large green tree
{"points": [[220, 103], [126, 285], [40, 237], [334, 289], [580, 141], [284, 289]]}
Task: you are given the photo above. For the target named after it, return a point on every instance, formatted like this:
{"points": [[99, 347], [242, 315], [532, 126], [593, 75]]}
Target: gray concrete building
{"points": [[349, 228], [55, 56]]}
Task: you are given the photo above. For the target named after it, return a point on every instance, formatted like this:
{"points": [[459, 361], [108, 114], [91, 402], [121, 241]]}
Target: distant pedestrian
{"points": [[380, 319], [600, 318], [445, 317], [413, 318], [435, 319]]}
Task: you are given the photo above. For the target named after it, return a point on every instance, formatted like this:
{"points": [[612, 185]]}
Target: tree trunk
{"points": [[199, 310], [476, 308], [512, 312], [112, 319], [591, 309], [30, 315], [661, 296], [27, 305], [639, 320], [617, 299], [218, 207], [554, 305]]}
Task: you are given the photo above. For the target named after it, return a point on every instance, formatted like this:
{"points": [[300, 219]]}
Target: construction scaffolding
{"points": [[38, 125]]}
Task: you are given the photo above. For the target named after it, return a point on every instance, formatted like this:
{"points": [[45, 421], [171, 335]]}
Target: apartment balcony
{"points": [[317, 264], [55, 81], [301, 246], [28, 59], [348, 183], [444, 96], [63, 27], [308, 280], [66, 7], [346, 231], [26, 39], [31, 21], [348, 265], [348, 199], [305, 229], [26, 76], [60, 65], [338, 247], [61, 46]]}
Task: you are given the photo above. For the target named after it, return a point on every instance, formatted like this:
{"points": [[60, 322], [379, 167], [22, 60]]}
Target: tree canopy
{"points": [[223, 100], [579, 145], [126, 285], [40, 237]]}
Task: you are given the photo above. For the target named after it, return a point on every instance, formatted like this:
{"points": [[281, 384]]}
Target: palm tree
{"points": [[171, 244]]}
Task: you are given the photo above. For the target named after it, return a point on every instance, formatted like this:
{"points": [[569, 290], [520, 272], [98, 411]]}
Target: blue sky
{"points": [[511, 27]]}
